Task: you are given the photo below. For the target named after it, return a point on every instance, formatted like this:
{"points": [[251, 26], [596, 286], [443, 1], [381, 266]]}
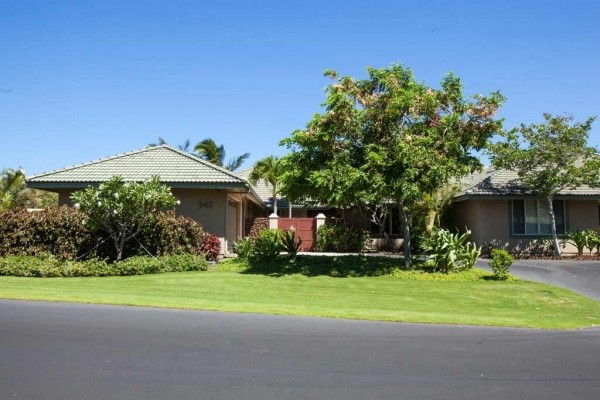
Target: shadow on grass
{"points": [[334, 266]]}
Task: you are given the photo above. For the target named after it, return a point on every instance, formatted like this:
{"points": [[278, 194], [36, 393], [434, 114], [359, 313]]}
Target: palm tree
{"points": [[268, 170], [183, 147], [13, 190], [209, 151]]}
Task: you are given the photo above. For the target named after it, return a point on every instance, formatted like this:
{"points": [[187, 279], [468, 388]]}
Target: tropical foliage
{"points": [[183, 147], [14, 192], [582, 239], [449, 251], [208, 150], [269, 170], [267, 245]]}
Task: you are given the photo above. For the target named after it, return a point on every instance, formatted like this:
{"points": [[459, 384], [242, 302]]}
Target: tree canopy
{"points": [[387, 139], [550, 157]]}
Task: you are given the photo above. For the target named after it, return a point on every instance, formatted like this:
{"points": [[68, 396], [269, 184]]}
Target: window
{"points": [[531, 217]]}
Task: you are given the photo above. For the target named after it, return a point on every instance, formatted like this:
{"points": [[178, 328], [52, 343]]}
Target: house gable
{"points": [[173, 166]]}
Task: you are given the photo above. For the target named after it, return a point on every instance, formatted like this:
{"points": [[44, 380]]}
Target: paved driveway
{"points": [[73, 351], [580, 276]]}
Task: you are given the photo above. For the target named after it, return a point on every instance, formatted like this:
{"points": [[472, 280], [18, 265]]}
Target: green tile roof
{"points": [[172, 165], [502, 183], [264, 191]]}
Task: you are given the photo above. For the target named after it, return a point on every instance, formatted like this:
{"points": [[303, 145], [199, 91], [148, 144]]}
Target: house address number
{"points": [[205, 204]]}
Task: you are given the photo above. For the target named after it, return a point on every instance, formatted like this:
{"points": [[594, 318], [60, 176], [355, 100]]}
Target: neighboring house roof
{"points": [[265, 191], [492, 183], [175, 167]]}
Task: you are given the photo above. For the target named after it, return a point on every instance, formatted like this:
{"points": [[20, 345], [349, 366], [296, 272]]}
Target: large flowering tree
{"points": [[388, 139], [123, 208]]}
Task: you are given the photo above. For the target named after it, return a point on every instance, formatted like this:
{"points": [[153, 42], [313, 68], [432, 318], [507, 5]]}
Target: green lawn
{"points": [[388, 298]]}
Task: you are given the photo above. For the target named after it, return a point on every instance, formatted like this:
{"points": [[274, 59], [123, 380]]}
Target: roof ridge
{"points": [[192, 157], [97, 161], [207, 163]]}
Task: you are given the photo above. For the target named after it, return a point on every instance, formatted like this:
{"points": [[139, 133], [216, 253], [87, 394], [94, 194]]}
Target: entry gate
{"points": [[305, 228]]}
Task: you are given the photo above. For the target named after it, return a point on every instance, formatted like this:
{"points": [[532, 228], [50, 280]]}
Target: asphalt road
{"points": [[580, 276], [76, 351]]}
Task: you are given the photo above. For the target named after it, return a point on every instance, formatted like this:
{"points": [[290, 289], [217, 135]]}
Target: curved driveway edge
{"points": [[580, 276]]}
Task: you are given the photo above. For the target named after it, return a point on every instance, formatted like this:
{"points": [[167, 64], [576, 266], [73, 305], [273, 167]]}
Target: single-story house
{"points": [[219, 199], [501, 212]]}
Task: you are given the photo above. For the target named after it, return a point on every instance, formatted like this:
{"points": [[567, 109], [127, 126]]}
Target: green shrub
{"points": [[339, 238], [267, 245], [183, 263], [291, 242], [500, 263], [449, 251], [49, 266], [243, 248]]}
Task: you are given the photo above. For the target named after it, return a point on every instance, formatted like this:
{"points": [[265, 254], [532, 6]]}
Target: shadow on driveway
{"points": [[580, 276]]}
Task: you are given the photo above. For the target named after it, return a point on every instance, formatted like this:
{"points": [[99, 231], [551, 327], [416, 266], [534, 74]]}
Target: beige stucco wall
{"points": [[583, 214], [489, 222], [204, 206]]}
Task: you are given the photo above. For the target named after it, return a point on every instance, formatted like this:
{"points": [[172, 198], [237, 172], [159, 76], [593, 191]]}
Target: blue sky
{"points": [[81, 80]]}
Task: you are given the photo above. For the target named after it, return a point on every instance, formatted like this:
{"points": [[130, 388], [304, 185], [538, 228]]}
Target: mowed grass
{"points": [[384, 298]]}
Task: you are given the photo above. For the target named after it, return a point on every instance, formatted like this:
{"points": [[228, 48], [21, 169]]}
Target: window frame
{"points": [[514, 235]]}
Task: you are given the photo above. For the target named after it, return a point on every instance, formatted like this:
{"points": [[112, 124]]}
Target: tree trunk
{"points": [[432, 215], [557, 250], [406, 232], [120, 250]]}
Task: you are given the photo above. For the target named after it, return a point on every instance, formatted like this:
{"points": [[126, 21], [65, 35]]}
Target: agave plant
{"points": [[243, 247], [449, 251], [583, 239], [291, 242]]}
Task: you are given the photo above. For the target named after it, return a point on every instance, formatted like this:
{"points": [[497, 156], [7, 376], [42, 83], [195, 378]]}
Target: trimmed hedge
{"points": [[48, 266], [171, 234], [57, 230], [60, 231], [334, 236]]}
